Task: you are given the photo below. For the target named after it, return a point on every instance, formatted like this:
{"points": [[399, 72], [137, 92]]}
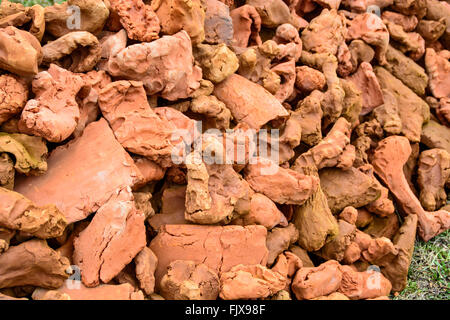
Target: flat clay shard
{"points": [[250, 282], [413, 111], [309, 79], [75, 167], [13, 96], [31, 17], [78, 51], [218, 23], [187, 280], [437, 10], [388, 114], [60, 19], [246, 26], [14, 40], [283, 186], [410, 43], [336, 248], [19, 213], [219, 248], [388, 161], [30, 153], [438, 69], [214, 109], [249, 102], [433, 173], [53, 113], [33, 263], [76, 290], [176, 15], [146, 262], [325, 33], [172, 208], [165, 66], [114, 237], [136, 126], [138, 19]]}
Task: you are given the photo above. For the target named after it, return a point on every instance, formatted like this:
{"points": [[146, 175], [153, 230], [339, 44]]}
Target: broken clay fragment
{"points": [[388, 160], [279, 239], [6, 171], [438, 69], [250, 282], [114, 237], [75, 167], [53, 113], [13, 41], [13, 96], [272, 12], [217, 61], [187, 280], [263, 212], [220, 248], [366, 81], [177, 15], [284, 186], [33, 263], [135, 124], [19, 213], [249, 102], [413, 111], [30, 152], [138, 19], [363, 285], [355, 188], [165, 66]]}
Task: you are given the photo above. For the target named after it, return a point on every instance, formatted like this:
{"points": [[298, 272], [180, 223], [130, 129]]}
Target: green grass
{"points": [[429, 273], [44, 3]]}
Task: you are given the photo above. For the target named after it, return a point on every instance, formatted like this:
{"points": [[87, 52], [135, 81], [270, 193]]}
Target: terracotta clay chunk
{"points": [[82, 166], [220, 248], [248, 102], [114, 237], [33, 263], [389, 158]]}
